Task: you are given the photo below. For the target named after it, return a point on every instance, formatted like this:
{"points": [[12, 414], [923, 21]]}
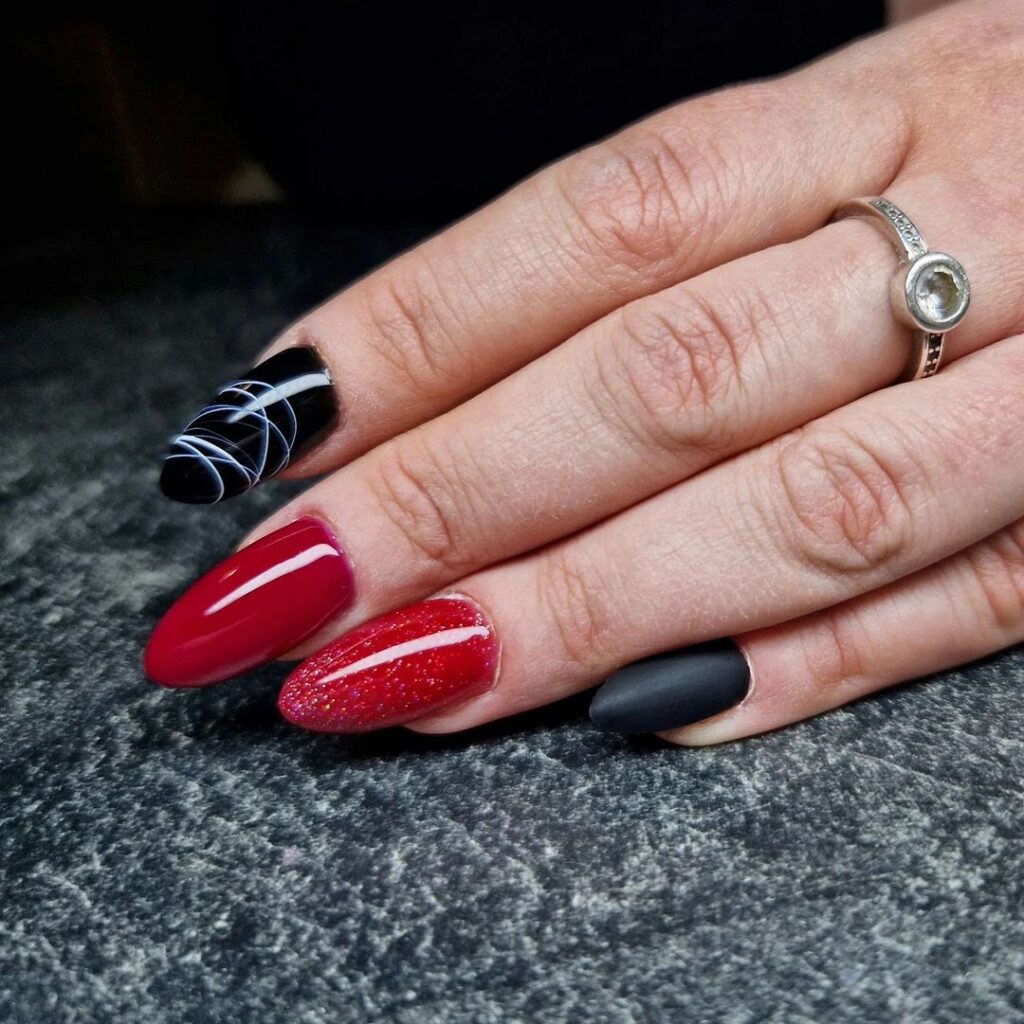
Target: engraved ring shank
{"points": [[930, 290]]}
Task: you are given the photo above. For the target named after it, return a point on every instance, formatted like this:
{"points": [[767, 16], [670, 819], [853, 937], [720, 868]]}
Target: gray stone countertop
{"points": [[188, 858]]}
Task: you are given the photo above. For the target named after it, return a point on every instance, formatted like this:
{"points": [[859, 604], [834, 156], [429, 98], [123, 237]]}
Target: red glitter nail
{"points": [[253, 607], [394, 669]]}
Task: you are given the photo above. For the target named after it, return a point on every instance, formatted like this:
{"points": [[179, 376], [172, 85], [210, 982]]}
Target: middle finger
{"points": [[643, 399]]}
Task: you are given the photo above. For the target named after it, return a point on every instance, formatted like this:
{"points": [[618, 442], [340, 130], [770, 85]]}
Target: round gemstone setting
{"points": [[936, 291]]}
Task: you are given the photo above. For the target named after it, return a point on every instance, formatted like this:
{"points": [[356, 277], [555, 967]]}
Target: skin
{"points": [[904, 10], [642, 399]]}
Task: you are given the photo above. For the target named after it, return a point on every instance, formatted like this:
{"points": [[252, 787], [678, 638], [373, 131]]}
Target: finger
{"points": [[867, 495], [714, 178], [964, 608], [644, 399], [631, 405]]}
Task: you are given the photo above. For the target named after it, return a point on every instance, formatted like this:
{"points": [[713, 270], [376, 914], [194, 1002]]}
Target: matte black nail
{"points": [[672, 689], [253, 428]]}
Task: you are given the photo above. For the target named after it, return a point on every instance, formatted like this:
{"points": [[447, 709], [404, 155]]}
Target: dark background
{"points": [[383, 111], [189, 858]]}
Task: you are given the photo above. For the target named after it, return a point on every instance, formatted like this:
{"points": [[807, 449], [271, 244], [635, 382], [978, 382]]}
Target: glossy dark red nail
{"points": [[400, 667], [253, 607]]}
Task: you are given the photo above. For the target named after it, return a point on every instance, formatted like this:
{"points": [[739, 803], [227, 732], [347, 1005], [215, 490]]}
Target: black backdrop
{"points": [[392, 112], [427, 109]]}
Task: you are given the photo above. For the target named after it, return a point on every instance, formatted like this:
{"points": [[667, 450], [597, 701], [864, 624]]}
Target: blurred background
{"points": [[383, 112]]}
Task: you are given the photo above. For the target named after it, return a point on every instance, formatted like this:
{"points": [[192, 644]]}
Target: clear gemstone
{"points": [[938, 293]]}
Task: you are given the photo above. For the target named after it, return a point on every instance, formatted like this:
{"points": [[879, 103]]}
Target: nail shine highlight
{"points": [[394, 669], [253, 607], [253, 429]]}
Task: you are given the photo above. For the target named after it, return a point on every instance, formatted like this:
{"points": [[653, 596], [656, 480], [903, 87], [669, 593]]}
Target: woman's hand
{"points": [[639, 403]]}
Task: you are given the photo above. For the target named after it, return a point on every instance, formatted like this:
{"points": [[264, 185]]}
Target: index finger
{"points": [[689, 188]]}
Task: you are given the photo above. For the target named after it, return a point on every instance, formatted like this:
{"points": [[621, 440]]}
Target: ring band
{"points": [[930, 290]]}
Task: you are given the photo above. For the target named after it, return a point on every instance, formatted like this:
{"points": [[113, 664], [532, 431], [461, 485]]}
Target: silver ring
{"points": [[930, 290]]}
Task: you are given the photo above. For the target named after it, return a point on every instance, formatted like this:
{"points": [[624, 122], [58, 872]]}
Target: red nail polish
{"points": [[397, 668], [253, 607]]}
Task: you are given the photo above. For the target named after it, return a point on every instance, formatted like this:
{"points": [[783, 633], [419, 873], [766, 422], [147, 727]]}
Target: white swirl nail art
{"points": [[256, 426]]}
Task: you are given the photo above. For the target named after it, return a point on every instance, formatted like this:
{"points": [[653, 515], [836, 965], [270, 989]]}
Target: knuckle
{"points": [[842, 508], [409, 333], [682, 363], [419, 499], [998, 568], [574, 601], [643, 197]]}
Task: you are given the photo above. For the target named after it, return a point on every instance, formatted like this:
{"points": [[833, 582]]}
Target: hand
{"points": [[641, 402]]}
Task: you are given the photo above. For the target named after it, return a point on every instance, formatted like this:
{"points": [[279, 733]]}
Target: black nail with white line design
{"points": [[253, 429]]}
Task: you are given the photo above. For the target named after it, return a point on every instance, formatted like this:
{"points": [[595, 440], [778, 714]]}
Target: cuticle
{"points": [[327, 366], [326, 522], [748, 696]]}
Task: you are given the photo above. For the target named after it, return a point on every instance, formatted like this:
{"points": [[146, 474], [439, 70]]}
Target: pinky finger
{"points": [[966, 607]]}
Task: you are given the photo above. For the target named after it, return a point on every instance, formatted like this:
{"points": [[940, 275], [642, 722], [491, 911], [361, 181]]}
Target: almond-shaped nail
{"points": [[254, 427], [253, 607], [394, 669], [673, 689]]}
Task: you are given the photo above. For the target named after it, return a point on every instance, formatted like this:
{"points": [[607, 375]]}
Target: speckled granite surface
{"points": [[188, 859]]}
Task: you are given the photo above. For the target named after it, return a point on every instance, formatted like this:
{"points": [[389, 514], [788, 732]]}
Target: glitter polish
{"points": [[253, 607], [394, 669]]}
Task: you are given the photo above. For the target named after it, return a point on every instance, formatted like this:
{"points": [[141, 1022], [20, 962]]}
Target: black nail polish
{"points": [[672, 689], [253, 428]]}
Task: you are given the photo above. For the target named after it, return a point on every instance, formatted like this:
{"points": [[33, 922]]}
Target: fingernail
{"points": [[394, 669], [253, 607], [253, 428], [673, 689]]}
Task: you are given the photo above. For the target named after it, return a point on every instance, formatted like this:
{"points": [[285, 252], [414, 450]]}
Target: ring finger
{"points": [[869, 494]]}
